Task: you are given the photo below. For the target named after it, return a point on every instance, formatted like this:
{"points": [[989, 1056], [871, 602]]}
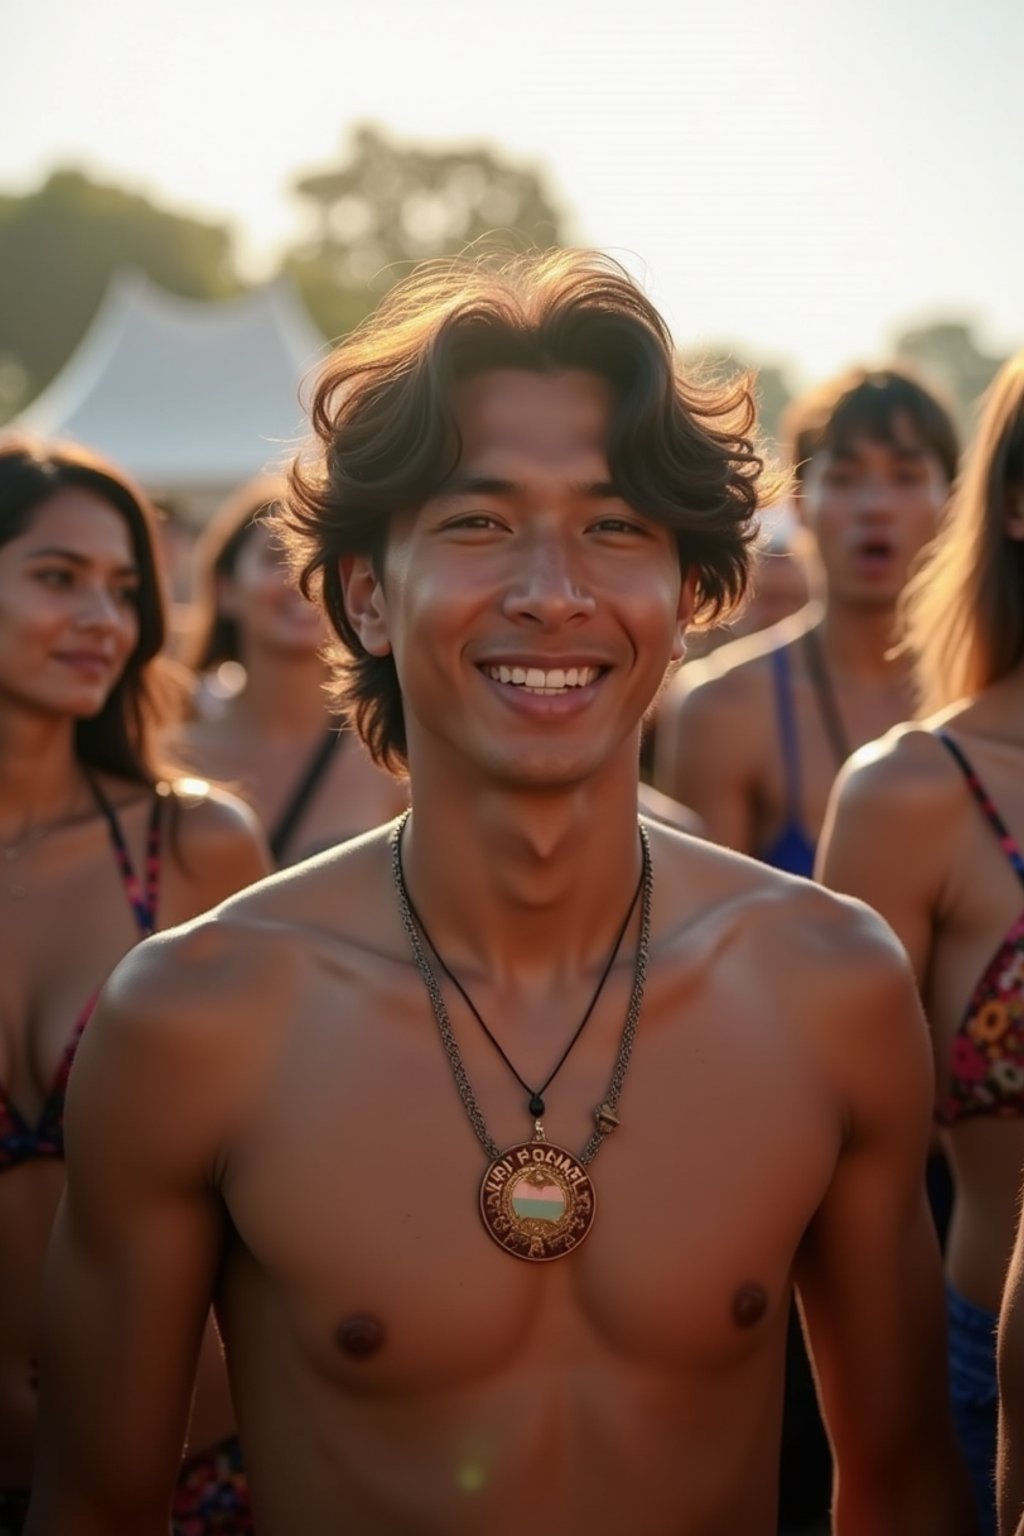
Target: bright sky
{"points": [[796, 177]]}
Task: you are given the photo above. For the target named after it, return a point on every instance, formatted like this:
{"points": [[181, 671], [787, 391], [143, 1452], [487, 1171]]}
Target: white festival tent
{"points": [[192, 397]]}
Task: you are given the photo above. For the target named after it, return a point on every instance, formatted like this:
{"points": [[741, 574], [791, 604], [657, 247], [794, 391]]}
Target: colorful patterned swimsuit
{"points": [[212, 1494], [20, 1142], [987, 1054]]}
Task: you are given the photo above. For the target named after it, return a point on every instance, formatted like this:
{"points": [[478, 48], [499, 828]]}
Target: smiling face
{"points": [[68, 606], [530, 611], [871, 506]]}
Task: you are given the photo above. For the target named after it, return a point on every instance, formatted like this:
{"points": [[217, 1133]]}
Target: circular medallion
{"points": [[537, 1201]]}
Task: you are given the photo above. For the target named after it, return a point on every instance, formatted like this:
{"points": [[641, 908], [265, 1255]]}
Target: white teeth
{"points": [[537, 680]]}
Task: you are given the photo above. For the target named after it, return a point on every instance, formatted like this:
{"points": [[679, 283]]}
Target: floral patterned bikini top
{"points": [[20, 1140], [987, 1056]]}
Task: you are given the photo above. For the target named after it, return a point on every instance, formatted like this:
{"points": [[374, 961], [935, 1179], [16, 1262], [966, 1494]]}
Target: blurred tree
{"points": [[58, 248], [388, 205], [948, 355]]}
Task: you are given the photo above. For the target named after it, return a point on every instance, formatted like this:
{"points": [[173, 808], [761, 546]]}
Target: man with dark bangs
{"points": [[755, 736], [366, 1105]]}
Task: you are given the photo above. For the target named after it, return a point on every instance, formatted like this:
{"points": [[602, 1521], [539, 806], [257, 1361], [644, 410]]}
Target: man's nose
{"points": [[549, 586], [875, 495]]}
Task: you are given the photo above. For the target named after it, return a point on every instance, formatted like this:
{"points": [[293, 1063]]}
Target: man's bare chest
{"points": [[356, 1193]]}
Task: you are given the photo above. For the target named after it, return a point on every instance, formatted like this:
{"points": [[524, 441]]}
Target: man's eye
{"points": [[474, 520], [619, 525]]}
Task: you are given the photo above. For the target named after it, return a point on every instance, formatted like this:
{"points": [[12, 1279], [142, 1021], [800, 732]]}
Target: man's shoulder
{"points": [[742, 670], [791, 922]]}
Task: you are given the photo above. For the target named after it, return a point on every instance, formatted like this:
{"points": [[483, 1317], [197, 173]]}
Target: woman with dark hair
{"points": [[97, 850], [927, 826], [310, 781]]}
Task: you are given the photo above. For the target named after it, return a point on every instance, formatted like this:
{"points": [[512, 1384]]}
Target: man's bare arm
{"points": [[136, 1245], [704, 760], [869, 1270]]}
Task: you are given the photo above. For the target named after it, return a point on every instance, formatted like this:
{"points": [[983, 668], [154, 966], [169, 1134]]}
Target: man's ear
{"points": [[365, 603], [684, 614]]}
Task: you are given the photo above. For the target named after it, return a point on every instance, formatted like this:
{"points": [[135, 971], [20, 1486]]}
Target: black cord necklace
{"points": [[536, 1095], [537, 1200]]}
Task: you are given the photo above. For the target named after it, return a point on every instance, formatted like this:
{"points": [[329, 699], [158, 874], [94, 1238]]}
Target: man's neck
{"points": [[522, 887], [858, 643]]}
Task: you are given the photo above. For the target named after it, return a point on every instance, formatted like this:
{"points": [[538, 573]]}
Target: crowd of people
{"points": [[308, 1220]]}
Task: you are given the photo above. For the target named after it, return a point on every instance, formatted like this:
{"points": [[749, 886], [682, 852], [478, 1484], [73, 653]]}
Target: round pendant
{"points": [[537, 1201]]}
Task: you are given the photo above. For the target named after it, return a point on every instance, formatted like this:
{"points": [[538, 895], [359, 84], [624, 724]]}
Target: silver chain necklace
{"points": [[536, 1199]]}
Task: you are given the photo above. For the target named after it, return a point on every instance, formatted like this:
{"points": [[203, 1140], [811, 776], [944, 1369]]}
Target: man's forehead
{"points": [[514, 412], [899, 438]]}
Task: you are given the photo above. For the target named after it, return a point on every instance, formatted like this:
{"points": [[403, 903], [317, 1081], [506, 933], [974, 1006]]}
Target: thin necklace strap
{"points": [[821, 680], [605, 1118], [535, 1093]]}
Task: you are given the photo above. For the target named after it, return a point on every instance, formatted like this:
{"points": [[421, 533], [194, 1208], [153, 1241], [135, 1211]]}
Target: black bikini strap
{"points": [[143, 895], [1006, 839], [817, 669], [303, 792]]}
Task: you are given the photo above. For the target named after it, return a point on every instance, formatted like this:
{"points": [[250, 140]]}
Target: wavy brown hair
{"points": [[964, 608], [386, 437], [121, 738]]}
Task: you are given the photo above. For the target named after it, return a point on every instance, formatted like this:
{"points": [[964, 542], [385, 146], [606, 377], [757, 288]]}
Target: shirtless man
{"points": [[752, 738], [292, 1106]]}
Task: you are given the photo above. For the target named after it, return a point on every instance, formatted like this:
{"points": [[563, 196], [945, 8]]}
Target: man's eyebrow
{"points": [[848, 453], [72, 556], [460, 484]]}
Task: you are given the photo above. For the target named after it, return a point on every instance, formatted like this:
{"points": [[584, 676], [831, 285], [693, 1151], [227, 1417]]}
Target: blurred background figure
{"points": [[97, 850], [927, 826], [782, 577], [261, 719], [753, 737]]}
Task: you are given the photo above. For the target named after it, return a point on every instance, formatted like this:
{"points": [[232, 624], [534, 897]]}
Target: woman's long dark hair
{"points": [[121, 738]]}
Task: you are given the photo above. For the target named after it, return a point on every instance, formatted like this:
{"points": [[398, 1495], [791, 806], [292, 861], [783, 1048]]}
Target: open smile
{"points": [[545, 681]]}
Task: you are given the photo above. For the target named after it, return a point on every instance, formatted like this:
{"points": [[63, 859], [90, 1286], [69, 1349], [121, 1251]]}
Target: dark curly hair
{"points": [[121, 738], [386, 438]]}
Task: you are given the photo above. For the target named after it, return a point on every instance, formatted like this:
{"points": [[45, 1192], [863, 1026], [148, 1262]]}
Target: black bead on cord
{"points": [[536, 1100]]}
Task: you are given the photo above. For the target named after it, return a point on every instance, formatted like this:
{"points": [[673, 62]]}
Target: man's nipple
{"points": [[360, 1337], [749, 1305]]}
